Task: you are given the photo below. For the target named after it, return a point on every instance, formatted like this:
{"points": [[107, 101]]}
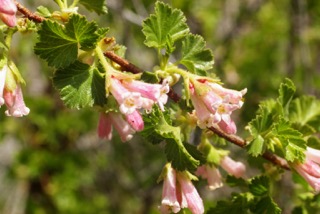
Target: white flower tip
{"points": [[18, 113], [127, 138], [244, 91], [215, 186]]}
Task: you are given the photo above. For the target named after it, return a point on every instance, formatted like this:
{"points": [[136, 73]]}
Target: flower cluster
{"points": [[131, 96], [178, 193], [214, 104], [213, 176], [11, 94], [8, 11], [310, 169]]}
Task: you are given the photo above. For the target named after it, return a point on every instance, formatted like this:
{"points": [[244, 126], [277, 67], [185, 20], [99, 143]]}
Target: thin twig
{"points": [[242, 143], [25, 11], [127, 66]]}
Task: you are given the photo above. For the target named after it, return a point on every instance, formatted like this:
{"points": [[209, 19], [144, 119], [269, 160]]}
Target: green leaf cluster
{"points": [[285, 124], [158, 128], [167, 26], [256, 200]]}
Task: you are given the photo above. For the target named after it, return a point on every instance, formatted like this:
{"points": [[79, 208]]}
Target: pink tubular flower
{"points": [[15, 104], [3, 73], [310, 169], [8, 11], [116, 120], [179, 192], [11, 94], [104, 127], [212, 174], [132, 94], [216, 105], [154, 92], [237, 169]]}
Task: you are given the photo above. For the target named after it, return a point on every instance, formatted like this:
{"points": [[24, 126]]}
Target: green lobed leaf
{"points": [[292, 141], [158, 128], [164, 27], [236, 182], [256, 147], [266, 206], [286, 92], [305, 113], [97, 6], [262, 123], [259, 186], [58, 45], [179, 157], [239, 204], [80, 85], [195, 56]]}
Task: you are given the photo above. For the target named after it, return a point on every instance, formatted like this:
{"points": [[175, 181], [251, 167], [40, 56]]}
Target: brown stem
{"points": [[127, 66], [242, 143], [25, 11]]}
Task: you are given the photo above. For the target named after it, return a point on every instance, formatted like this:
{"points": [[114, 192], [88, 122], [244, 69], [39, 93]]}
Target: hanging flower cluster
{"points": [[178, 192], [131, 96], [214, 104], [8, 11], [11, 93]]}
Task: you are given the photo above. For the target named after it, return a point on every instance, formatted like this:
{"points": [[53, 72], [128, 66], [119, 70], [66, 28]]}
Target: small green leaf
{"points": [[195, 56], [286, 92], [292, 141], [266, 206], [150, 77], [261, 123], [259, 186], [179, 157], [256, 146], [195, 153], [158, 128], [236, 182], [97, 6], [305, 111], [239, 204], [80, 85], [58, 45], [164, 27], [43, 11]]}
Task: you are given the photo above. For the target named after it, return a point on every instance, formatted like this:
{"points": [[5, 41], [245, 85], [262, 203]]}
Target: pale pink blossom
{"points": [[8, 11], [235, 168], [155, 92], [179, 192], [11, 94], [128, 101], [132, 94], [15, 103], [117, 121], [3, 73], [135, 120], [169, 192], [104, 127], [310, 169], [212, 174], [216, 105]]}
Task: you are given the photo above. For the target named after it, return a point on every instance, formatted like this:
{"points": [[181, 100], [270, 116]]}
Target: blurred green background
{"points": [[52, 161]]}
